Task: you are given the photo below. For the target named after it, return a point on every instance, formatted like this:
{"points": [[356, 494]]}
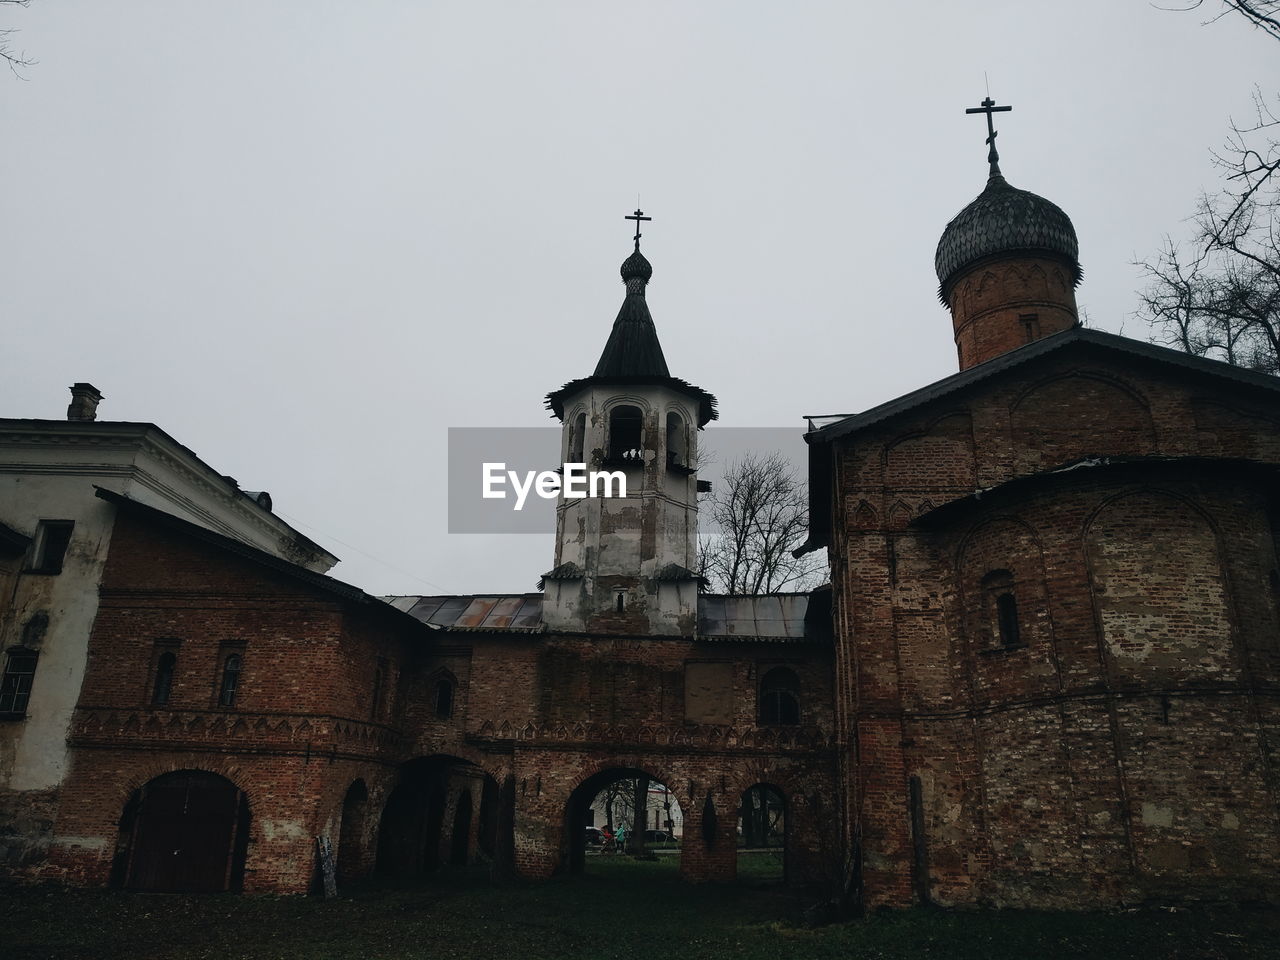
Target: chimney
{"points": [[84, 402]]}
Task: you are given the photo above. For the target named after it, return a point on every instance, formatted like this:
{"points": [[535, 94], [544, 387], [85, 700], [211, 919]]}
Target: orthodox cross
{"points": [[989, 107], [637, 217]]}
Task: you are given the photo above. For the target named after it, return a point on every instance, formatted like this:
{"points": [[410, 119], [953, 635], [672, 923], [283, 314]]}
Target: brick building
{"points": [[232, 704], [1056, 599], [1044, 672]]}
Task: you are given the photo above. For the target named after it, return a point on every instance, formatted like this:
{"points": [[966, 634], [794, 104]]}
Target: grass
{"points": [[623, 910]]}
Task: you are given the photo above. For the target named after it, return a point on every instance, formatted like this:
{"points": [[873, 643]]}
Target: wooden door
{"points": [[187, 834]]}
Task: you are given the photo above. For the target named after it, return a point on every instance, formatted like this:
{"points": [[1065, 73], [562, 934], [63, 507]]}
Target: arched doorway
{"points": [[185, 832], [762, 835], [627, 800], [355, 807], [413, 836], [460, 848]]}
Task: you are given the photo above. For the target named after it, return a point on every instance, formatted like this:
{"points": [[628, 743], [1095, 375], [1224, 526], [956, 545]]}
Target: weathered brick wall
{"points": [[1126, 748], [998, 307], [567, 708], [301, 729], [336, 709]]}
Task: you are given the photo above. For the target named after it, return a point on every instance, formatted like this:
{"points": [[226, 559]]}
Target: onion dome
{"points": [[1001, 222], [636, 267]]}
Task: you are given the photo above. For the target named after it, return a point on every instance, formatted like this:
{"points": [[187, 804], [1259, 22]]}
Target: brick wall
{"points": [[1126, 748]]}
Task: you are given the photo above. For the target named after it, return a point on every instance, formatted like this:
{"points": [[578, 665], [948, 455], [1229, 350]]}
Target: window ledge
{"points": [[626, 463], [997, 651]]}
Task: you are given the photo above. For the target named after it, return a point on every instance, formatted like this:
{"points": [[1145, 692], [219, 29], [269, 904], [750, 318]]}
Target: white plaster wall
{"points": [[663, 497], [48, 471], [33, 753]]}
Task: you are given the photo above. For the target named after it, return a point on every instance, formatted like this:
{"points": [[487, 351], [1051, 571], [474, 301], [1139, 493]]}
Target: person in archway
{"points": [[620, 841]]}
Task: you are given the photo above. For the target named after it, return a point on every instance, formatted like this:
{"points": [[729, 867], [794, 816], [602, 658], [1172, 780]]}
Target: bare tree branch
{"points": [[1262, 14], [17, 61], [761, 512], [1222, 299]]}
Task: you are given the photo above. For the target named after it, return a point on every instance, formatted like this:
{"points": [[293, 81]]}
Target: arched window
{"points": [[444, 698], [164, 678], [677, 445], [375, 702], [577, 439], [626, 434], [1001, 604], [1007, 619], [780, 697], [231, 668]]}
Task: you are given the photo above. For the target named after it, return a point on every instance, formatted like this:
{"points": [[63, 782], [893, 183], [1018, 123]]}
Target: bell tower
{"points": [[626, 565]]}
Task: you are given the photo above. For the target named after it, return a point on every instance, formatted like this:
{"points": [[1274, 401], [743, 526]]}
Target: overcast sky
{"points": [[306, 238]]}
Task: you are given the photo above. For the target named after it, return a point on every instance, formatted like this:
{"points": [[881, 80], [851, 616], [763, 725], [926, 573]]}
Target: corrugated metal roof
{"points": [[503, 613], [768, 618], [771, 618]]}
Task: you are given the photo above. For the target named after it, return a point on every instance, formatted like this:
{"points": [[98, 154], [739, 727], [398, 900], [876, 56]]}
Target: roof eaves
{"points": [[1032, 351], [150, 432]]}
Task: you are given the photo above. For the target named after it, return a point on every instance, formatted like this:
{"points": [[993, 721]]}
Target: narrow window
{"points": [[1007, 619], [1030, 325], [577, 439], [15, 688], [231, 668], [1000, 601], [51, 542], [677, 452], [780, 698], [625, 434], [375, 702], [164, 678], [619, 602], [444, 698]]}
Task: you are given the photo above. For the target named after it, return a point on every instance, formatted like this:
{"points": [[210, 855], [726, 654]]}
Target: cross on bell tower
{"points": [[989, 107], [637, 217]]}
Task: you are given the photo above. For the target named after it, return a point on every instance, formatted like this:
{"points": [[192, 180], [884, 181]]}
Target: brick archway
{"points": [[185, 831], [431, 815], [573, 844]]}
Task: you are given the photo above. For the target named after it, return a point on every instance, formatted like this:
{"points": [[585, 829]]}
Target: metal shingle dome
{"points": [[636, 267], [1004, 220]]}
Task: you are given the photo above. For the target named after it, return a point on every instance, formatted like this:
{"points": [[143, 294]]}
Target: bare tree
{"points": [[616, 799], [16, 60], [1262, 14], [760, 510], [1221, 297], [639, 817]]}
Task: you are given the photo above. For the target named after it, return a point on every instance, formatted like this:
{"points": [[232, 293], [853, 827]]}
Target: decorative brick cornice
{"points": [[705, 738], [315, 734]]}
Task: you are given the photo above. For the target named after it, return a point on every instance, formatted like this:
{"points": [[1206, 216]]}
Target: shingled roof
{"points": [[1000, 221], [632, 354]]}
